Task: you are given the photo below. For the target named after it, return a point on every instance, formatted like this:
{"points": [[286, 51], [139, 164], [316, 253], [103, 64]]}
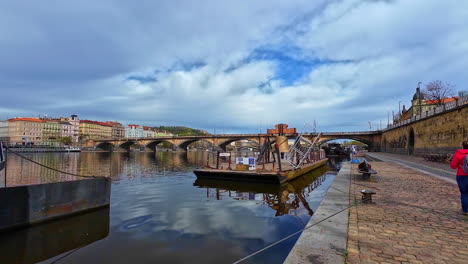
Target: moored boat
{"points": [[260, 175], [290, 162]]}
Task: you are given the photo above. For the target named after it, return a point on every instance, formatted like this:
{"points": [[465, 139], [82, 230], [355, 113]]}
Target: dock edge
{"points": [[326, 242]]}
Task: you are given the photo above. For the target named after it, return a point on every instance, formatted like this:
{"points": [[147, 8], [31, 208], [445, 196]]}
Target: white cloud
{"points": [[195, 65]]}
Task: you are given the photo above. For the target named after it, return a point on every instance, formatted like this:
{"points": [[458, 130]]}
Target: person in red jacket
{"points": [[462, 177]]}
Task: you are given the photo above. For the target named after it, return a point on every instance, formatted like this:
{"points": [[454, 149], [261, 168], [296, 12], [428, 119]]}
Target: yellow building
{"points": [[51, 133], [420, 105], [25, 131], [94, 130]]}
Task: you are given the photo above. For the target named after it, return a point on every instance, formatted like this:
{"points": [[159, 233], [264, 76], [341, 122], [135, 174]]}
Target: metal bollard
{"points": [[367, 195]]}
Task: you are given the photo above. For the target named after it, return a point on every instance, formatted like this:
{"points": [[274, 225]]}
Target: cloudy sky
{"points": [[234, 66]]}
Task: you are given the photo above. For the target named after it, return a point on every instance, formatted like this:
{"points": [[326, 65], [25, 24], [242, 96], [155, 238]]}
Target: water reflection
{"points": [[288, 198], [47, 240], [158, 216]]}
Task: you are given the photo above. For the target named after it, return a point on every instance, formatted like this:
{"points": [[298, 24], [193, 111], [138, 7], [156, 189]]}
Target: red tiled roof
{"points": [[104, 124], [444, 100], [113, 123], [29, 119], [95, 122]]}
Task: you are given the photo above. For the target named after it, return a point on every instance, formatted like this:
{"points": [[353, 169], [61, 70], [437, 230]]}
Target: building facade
{"points": [[3, 130], [148, 132], [118, 130], [419, 105], [51, 133], [25, 131], [94, 130], [66, 130], [75, 122], [134, 131]]}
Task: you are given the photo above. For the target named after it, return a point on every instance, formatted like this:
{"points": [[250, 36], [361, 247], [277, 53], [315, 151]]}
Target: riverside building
{"points": [[134, 131], [94, 130], [25, 131], [118, 130], [51, 133], [148, 132]]}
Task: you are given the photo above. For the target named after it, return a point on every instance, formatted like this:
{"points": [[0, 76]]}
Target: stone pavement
{"points": [[438, 169], [414, 218]]}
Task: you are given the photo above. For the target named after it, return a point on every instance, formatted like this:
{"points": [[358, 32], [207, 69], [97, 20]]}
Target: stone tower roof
{"points": [[418, 95]]}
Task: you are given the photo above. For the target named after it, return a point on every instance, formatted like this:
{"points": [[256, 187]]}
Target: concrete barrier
{"points": [[30, 204], [44, 241], [326, 242]]}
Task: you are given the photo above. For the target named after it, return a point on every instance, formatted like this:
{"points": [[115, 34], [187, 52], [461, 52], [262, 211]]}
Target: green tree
{"points": [[65, 140], [182, 131]]}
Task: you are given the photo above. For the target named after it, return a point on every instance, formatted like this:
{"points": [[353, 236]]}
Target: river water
{"points": [[161, 213]]}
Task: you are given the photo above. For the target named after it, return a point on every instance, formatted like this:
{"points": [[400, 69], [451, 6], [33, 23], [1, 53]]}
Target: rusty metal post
{"points": [[217, 159], [229, 167], [279, 159], [6, 162]]}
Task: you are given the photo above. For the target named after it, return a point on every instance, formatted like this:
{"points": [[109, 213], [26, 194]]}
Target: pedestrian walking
{"points": [[460, 162]]}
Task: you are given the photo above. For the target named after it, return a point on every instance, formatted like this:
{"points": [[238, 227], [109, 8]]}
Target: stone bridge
{"points": [[371, 138], [438, 130]]}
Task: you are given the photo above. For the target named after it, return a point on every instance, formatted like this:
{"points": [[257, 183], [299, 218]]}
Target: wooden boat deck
{"points": [[264, 173]]}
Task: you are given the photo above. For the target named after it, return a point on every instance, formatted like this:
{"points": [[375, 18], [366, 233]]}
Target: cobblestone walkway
{"points": [[441, 169], [414, 219]]}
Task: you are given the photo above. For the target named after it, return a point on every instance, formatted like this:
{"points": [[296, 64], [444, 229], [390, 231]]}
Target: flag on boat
{"points": [[2, 156]]}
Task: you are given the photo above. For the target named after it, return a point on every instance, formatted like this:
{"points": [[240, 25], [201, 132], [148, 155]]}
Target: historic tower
{"points": [[418, 102]]}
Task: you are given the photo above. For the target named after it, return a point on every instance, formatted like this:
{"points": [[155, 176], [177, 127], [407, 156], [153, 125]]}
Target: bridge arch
{"points": [[105, 146], [153, 144], [127, 145], [184, 145], [225, 143], [327, 139]]}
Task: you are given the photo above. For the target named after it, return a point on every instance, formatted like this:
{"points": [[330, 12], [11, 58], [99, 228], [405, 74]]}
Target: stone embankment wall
{"points": [[440, 133], [30, 204]]}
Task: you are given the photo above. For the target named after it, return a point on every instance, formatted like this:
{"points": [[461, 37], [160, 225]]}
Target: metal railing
{"points": [[434, 111]]}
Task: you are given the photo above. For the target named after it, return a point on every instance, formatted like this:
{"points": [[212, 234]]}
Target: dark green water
{"points": [[161, 213]]}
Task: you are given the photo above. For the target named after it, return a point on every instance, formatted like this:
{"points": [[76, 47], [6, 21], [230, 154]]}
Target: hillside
{"points": [[182, 131]]}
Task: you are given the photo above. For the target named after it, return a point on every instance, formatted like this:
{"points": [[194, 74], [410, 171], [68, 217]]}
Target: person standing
{"points": [[462, 175]]}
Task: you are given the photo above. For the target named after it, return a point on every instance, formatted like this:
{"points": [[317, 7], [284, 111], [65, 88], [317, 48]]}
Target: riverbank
{"points": [[45, 149], [414, 217], [325, 242]]}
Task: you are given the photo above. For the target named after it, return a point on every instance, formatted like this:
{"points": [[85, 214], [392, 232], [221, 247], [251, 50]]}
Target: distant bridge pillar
{"points": [[181, 147], [222, 147], [126, 145], [151, 147]]}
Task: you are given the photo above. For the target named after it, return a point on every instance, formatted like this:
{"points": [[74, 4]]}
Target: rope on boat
{"points": [[50, 168]]}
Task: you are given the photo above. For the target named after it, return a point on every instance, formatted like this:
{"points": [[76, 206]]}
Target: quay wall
{"points": [[441, 133], [325, 242], [30, 204], [47, 240]]}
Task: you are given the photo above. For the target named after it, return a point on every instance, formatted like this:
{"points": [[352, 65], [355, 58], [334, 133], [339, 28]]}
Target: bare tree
{"points": [[437, 91]]}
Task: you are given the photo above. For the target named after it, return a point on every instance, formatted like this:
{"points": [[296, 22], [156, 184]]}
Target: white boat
{"points": [[72, 149]]}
